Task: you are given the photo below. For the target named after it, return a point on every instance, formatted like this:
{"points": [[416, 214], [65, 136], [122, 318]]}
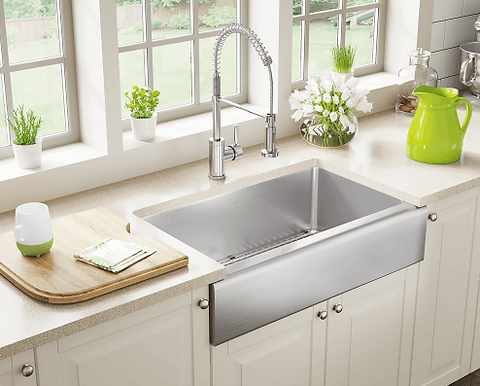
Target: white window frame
{"points": [[69, 84], [341, 12], [194, 36]]}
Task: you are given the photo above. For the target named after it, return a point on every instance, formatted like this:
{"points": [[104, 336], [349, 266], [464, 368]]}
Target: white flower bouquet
{"points": [[328, 107]]}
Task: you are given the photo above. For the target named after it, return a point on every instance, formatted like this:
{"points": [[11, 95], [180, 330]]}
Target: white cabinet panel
{"points": [[365, 340], [10, 370], [442, 298], [6, 373], [261, 358], [164, 344], [156, 352]]}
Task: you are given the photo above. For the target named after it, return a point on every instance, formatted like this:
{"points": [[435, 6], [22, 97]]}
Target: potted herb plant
{"points": [[143, 117], [27, 146], [342, 59]]}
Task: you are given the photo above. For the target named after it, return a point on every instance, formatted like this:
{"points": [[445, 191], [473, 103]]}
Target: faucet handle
{"points": [[235, 135], [233, 151]]}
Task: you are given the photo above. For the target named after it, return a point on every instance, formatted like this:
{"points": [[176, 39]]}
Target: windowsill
{"points": [[202, 123], [57, 157], [379, 80], [379, 84], [188, 126]]}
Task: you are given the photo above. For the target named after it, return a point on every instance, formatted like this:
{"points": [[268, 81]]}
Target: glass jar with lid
{"points": [[417, 73]]}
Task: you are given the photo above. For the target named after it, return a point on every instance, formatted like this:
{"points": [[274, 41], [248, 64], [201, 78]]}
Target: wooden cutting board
{"points": [[57, 277]]}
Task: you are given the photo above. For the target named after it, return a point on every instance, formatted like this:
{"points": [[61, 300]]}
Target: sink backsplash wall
{"points": [[453, 25]]}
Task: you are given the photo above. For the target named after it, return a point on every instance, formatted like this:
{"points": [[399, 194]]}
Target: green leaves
{"points": [[142, 102], [25, 125], [343, 58], [219, 16]]}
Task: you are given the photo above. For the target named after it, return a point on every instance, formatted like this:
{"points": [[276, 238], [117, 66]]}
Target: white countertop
{"points": [[376, 158]]}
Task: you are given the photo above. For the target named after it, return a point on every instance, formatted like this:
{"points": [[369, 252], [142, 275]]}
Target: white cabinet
{"points": [[367, 343], [165, 344], [447, 292], [11, 370], [475, 293], [277, 354]]}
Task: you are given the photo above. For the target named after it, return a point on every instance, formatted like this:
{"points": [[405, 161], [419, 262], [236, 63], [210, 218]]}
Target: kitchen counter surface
{"points": [[376, 158]]}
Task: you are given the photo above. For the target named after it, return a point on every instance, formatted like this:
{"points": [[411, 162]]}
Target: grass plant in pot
{"points": [[27, 146], [343, 58], [143, 117]]}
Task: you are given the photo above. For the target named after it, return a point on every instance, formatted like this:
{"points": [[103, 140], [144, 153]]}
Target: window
{"points": [[34, 65], [168, 46], [320, 24]]}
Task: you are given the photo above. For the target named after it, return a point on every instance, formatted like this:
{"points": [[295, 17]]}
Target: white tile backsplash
{"points": [[447, 9], [452, 81], [452, 25], [446, 62], [438, 36], [470, 7], [459, 31]]}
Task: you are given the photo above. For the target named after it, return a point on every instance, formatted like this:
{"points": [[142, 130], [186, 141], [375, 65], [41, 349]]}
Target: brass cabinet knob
{"points": [[27, 370], [322, 314], [338, 308], [203, 303]]}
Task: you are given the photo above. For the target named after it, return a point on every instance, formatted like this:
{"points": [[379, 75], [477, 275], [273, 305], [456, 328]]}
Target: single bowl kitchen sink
{"points": [[294, 241]]}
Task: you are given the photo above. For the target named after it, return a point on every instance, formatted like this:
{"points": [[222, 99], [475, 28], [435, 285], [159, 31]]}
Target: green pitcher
{"points": [[435, 134]]}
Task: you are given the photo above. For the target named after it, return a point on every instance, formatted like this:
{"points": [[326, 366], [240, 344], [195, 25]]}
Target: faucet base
{"points": [[216, 178], [268, 154]]}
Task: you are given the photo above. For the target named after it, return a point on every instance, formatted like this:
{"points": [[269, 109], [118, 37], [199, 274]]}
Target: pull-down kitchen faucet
{"points": [[217, 150]]}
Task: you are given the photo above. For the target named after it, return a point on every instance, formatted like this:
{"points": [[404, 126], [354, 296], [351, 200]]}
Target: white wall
{"points": [[453, 25]]}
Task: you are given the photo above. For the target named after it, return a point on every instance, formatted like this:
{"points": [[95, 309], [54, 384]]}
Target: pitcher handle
{"points": [[466, 121], [469, 62]]}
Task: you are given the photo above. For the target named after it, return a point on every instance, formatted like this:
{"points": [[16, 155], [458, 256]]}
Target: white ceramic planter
{"points": [[144, 128], [28, 156]]}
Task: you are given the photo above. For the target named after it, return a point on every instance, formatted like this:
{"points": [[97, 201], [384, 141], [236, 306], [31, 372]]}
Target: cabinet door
{"points": [[276, 355], [368, 340], [442, 297], [10, 370], [152, 346]]}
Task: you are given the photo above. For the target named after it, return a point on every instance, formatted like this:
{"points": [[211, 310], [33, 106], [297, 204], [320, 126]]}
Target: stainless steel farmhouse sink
{"points": [[292, 242]]}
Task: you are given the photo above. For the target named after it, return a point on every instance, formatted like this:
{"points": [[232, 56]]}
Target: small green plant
{"points": [[179, 21], [343, 58], [142, 102], [220, 16], [25, 125]]}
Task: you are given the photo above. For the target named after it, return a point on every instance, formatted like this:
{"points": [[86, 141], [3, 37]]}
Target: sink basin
{"points": [[292, 242]]}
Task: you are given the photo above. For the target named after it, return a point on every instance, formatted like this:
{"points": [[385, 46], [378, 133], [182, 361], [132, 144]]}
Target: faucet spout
{"points": [[217, 150]]}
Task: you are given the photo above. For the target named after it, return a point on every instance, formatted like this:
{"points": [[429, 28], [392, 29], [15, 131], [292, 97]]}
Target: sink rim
{"points": [[312, 178]]}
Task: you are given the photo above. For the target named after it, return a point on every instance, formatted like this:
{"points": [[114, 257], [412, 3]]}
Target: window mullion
{"points": [[147, 12], [7, 81], [306, 38], [342, 23], [195, 48], [61, 40]]}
